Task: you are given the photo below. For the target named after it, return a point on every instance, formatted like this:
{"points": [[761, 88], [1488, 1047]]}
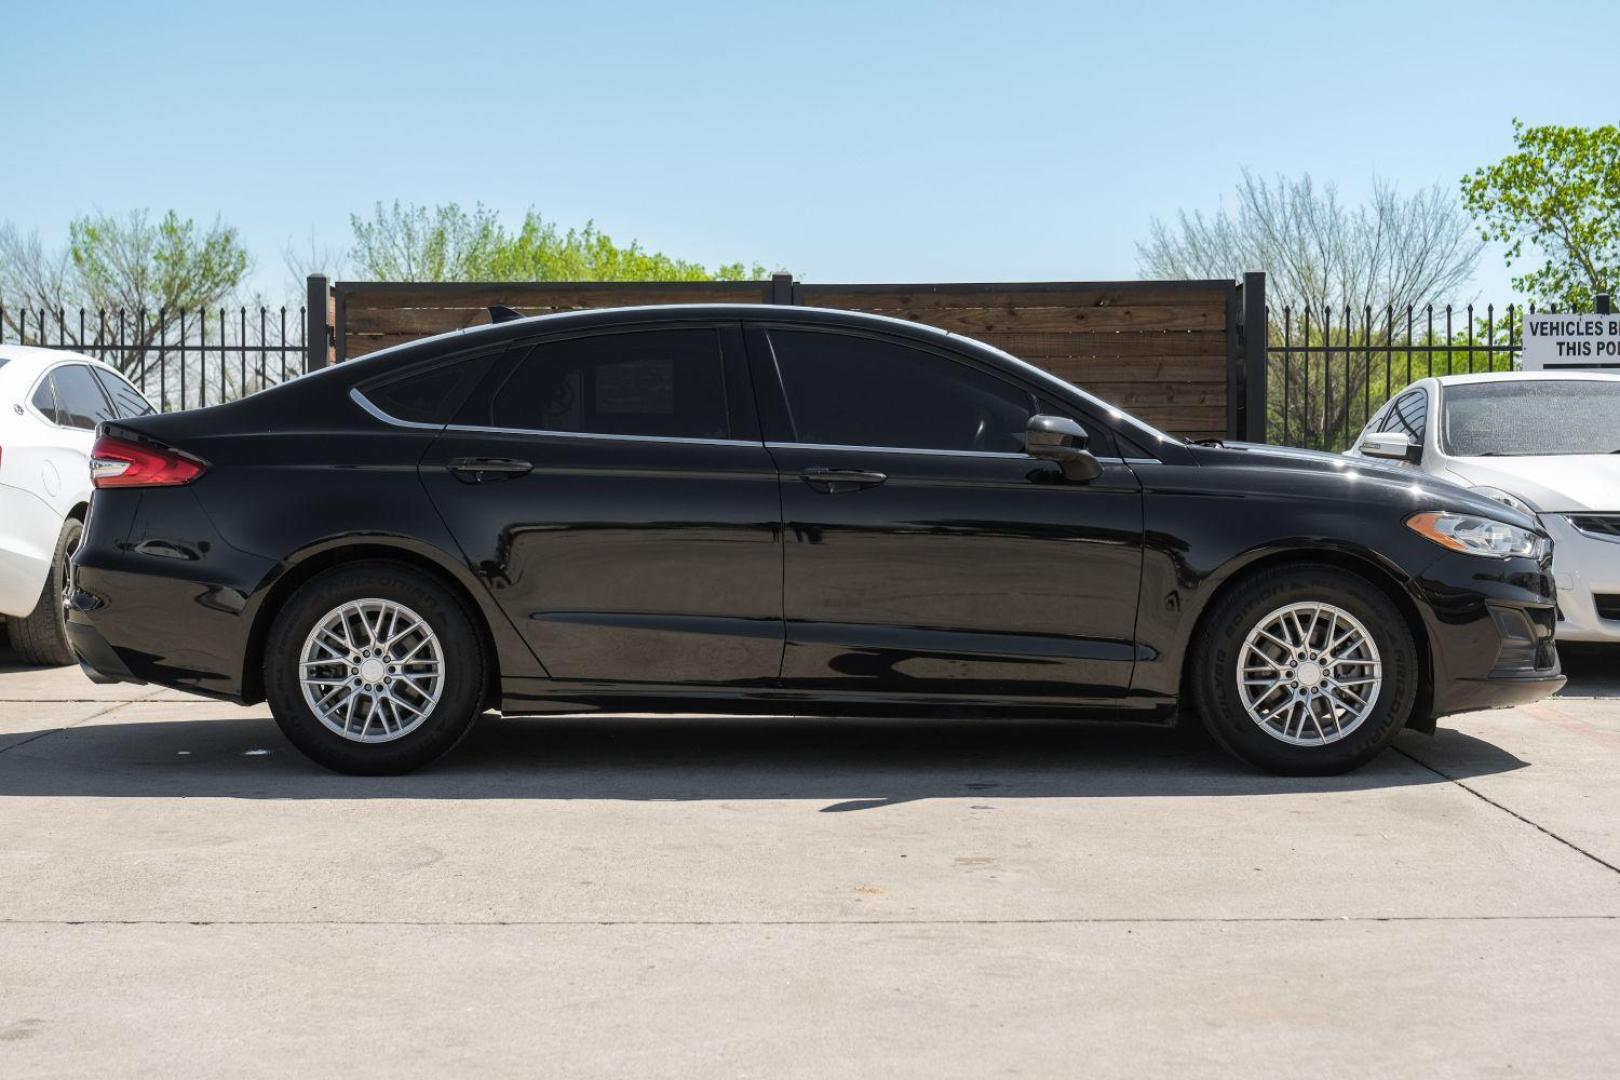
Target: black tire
{"points": [[40, 637], [1215, 678], [447, 722]]}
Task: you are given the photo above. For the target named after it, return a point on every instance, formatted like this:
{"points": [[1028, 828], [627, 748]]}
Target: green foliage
{"points": [[1559, 192], [448, 243], [132, 263]]}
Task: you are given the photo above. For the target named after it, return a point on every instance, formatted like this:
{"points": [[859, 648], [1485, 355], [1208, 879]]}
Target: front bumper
{"points": [[1587, 570], [1490, 626]]}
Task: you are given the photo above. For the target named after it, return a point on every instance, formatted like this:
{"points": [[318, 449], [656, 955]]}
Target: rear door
{"points": [[612, 490], [925, 553]]}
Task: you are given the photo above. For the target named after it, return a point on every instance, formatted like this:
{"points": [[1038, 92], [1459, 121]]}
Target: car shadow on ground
{"points": [[854, 764], [849, 764]]}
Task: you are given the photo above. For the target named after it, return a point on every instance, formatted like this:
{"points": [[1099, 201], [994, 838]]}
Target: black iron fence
{"points": [[1329, 370], [179, 359]]}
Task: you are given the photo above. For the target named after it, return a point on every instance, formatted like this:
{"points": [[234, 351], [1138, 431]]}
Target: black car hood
{"points": [[1351, 470]]}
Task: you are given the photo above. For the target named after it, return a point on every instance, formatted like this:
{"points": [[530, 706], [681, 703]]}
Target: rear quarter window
{"points": [[431, 395]]}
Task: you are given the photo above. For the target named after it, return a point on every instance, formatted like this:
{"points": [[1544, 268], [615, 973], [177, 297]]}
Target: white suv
{"points": [[50, 404]]}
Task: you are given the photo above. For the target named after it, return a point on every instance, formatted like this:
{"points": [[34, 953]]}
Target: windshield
{"points": [[1520, 418]]}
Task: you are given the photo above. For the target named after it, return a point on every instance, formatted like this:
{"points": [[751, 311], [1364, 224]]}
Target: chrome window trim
{"points": [[474, 429], [893, 450], [366, 403], [998, 455], [546, 433]]}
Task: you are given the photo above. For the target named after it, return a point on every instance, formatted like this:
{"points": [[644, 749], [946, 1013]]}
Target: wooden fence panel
{"points": [[1167, 351], [376, 315], [1160, 350]]}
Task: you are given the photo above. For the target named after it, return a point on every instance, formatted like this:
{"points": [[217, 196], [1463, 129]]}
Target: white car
{"points": [[50, 403], [1547, 442]]}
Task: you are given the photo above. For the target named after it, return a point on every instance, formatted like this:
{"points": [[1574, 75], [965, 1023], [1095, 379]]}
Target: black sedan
{"points": [[756, 509]]}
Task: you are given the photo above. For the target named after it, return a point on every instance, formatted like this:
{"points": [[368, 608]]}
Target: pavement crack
{"points": [[1059, 921], [111, 707], [1476, 793]]}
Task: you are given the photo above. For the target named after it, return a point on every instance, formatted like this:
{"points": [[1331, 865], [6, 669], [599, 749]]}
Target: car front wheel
{"points": [[374, 669], [1306, 671]]}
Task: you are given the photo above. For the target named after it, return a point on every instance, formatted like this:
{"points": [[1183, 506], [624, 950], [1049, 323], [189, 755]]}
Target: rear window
{"points": [[80, 402], [649, 383], [125, 398]]}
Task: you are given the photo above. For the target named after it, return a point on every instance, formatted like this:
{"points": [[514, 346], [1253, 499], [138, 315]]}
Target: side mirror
{"points": [[1059, 439], [1392, 445]]}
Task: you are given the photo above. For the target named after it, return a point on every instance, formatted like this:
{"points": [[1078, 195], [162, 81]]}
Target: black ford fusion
{"points": [[752, 510]]}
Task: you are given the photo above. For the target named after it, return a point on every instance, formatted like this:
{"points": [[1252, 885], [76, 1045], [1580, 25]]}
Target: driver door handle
{"points": [[483, 470], [838, 481]]}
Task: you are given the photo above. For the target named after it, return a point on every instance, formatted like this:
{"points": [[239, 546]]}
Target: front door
{"points": [[612, 491], [926, 555]]}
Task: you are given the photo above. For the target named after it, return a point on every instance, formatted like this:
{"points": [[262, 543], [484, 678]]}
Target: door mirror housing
{"points": [[1391, 445], [1059, 439]]}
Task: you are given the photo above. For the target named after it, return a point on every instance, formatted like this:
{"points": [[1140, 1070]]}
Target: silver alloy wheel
{"points": [[1309, 674], [371, 670]]}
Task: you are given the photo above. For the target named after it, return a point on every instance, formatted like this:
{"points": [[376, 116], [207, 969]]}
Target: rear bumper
{"points": [[169, 609], [97, 659]]}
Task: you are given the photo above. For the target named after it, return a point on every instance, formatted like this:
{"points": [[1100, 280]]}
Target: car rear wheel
{"points": [[40, 637], [374, 669], [1308, 671]]}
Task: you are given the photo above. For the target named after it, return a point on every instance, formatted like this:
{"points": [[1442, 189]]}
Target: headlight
{"points": [[1506, 499], [1477, 535]]}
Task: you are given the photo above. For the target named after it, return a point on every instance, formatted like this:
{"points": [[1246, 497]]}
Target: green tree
{"points": [[402, 242], [1346, 274], [114, 263], [1559, 193], [132, 262]]}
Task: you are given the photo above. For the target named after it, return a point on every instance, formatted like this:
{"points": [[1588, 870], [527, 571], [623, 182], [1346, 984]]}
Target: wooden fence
{"points": [[1187, 356]]}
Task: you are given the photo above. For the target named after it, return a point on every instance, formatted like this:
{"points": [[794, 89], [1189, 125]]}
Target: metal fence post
{"points": [[1249, 359], [318, 334], [1256, 344], [781, 289]]}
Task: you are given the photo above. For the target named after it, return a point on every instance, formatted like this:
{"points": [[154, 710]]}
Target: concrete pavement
{"points": [[182, 894]]}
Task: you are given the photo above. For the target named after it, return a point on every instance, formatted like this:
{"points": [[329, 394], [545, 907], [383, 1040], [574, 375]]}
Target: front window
{"points": [[848, 390], [1409, 416], [1527, 417]]}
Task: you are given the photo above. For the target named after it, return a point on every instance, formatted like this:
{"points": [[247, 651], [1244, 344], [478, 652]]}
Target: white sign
{"points": [[1571, 341]]}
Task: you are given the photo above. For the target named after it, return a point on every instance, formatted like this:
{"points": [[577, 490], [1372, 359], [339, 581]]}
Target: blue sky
{"points": [[853, 142]]}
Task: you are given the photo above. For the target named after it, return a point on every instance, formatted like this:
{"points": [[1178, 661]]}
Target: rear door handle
{"points": [[837, 481], [484, 470]]}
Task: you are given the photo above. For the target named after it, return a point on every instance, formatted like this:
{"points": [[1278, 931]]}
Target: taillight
{"points": [[120, 463]]}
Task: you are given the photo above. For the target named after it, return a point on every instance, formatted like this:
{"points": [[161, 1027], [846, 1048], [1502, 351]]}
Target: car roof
{"points": [[42, 356], [24, 363], [1563, 374], [585, 317]]}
